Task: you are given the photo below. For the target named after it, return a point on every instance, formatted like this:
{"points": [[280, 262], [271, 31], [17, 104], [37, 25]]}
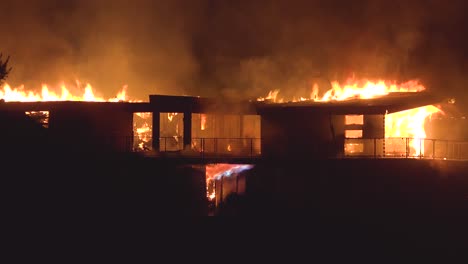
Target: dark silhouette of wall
{"points": [[383, 190], [94, 126], [291, 133], [44, 174]]}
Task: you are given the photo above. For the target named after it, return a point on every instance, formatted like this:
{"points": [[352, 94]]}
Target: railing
{"points": [[406, 148], [204, 147], [238, 147], [353, 147]]}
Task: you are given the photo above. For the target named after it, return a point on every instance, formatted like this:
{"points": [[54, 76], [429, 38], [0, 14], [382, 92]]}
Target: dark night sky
{"points": [[234, 48]]}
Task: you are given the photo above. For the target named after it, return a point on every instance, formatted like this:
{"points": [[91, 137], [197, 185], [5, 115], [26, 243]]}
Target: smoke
{"points": [[237, 49], [109, 44], [288, 45]]}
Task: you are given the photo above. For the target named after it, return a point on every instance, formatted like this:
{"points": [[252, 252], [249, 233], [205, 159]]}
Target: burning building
{"points": [[352, 127], [385, 121], [376, 120]]}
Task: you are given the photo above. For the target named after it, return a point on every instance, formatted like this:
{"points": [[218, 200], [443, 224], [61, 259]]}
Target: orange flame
{"points": [[202, 121], [409, 123], [215, 171], [170, 116], [351, 90], [20, 95], [143, 130], [88, 95]]}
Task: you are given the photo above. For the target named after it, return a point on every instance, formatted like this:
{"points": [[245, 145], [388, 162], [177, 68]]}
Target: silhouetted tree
{"points": [[4, 69]]}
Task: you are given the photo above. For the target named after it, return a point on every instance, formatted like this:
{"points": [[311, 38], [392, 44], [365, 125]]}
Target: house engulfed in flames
{"points": [[376, 119], [372, 119]]}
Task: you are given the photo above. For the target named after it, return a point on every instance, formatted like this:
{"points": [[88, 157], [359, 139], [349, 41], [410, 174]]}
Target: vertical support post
{"points": [[375, 148], [155, 132], [187, 129], [241, 126], [251, 147], [241, 144], [202, 147], [383, 136], [433, 149], [407, 147], [420, 148], [446, 149]]}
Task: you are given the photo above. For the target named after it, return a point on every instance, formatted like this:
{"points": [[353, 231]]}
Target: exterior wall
{"points": [[374, 128], [297, 134], [370, 142], [293, 133], [92, 127], [235, 134], [338, 122], [447, 128]]}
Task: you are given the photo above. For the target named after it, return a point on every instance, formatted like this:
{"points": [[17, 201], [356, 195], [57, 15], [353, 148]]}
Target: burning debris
{"points": [[215, 172]]}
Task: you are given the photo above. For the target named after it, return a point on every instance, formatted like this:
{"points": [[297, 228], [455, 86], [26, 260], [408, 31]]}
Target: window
{"points": [[353, 133], [354, 119], [352, 148]]}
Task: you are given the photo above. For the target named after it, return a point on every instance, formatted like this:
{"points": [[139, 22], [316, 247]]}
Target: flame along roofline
{"points": [[393, 102]]}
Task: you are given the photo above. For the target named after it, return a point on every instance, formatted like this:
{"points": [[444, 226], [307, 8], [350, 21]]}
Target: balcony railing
{"points": [[406, 148], [353, 147], [204, 147]]}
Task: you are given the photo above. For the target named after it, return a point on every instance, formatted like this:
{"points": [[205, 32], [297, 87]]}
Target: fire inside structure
{"points": [[376, 119]]}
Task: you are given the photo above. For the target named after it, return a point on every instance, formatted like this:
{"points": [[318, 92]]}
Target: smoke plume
{"points": [[235, 48]]}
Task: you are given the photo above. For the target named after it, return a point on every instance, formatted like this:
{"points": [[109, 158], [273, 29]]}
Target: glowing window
{"points": [[142, 131], [351, 148], [353, 133], [354, 119]]}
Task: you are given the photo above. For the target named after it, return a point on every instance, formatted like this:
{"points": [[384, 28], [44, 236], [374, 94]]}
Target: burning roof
{"points": [[393, 102]]}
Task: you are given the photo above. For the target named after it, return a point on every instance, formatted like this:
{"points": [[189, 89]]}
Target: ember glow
{"points": [[216, 171], [408, 124]]}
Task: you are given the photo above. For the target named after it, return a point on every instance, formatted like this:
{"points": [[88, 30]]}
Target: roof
{"points": [[393, 102]]}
